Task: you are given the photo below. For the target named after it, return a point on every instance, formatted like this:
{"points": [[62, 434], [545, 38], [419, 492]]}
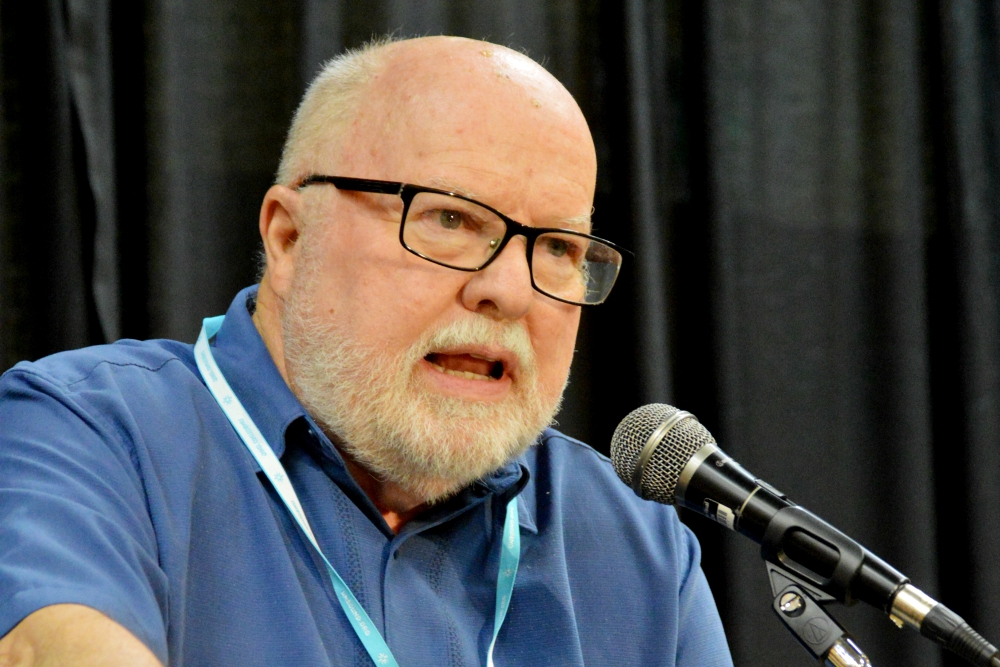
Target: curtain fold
{"points": [[223, 83], [968, 260], [88, 61], [819, 224], [654, 371], [47, 209]]}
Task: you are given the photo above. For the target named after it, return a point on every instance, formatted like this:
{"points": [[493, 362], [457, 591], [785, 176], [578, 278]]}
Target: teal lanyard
{"points": [[510, 552]]}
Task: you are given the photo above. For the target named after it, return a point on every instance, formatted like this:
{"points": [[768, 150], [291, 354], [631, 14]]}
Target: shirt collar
{"points": [[506, 483], [248, 367], [526, 505]]}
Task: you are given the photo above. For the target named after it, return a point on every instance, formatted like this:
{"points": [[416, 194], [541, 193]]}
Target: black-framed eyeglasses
{"points": [[458, 232]]}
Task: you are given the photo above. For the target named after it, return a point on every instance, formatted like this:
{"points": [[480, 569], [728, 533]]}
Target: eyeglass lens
{"points": [[464, 235]]}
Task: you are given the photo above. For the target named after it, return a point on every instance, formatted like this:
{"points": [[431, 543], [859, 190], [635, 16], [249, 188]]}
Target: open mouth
{"points": [[468, 366]]}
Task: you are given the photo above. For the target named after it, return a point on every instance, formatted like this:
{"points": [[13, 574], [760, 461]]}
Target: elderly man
{"points": [[341, 471]]}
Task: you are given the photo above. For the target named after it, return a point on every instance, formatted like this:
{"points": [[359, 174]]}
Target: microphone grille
{"points": [[670, 455]]}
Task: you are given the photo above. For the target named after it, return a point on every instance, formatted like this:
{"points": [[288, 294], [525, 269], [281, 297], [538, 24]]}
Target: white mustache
{"points": [[509, 336]]}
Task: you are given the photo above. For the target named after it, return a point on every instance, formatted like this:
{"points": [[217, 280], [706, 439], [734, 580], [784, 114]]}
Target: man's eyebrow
{"points": [[573, 223], [450, 186]]}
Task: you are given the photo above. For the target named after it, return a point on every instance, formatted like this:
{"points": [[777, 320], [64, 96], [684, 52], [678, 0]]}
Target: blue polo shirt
{"points": [[124, 488]]}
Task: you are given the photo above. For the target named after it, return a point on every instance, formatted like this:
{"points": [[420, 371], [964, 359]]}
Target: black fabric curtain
{"points": [[810, 189]]}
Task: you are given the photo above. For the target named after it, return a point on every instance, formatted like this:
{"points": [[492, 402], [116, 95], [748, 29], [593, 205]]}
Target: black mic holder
{"points": [[800, 607], [825, 565], [815, 564]]}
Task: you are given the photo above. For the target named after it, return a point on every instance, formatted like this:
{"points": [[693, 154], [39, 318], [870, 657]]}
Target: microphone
{"points": [[667, 456]]}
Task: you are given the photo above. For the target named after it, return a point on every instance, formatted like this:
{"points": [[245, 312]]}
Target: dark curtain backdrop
{"points": [[810, 188]]}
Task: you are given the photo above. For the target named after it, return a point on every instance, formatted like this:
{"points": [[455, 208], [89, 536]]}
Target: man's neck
{"points": [[396, 505], [267, 320]]}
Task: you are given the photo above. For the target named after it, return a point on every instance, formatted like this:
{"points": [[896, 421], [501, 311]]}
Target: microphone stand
{"points": [[799, 606]]}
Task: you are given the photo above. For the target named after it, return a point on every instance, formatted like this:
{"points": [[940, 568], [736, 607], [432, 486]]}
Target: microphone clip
{"points": [[799, 605]]}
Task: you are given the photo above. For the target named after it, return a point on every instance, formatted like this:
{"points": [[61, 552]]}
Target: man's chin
{"points": [[445, 446], [423, 487], [438, 491]]}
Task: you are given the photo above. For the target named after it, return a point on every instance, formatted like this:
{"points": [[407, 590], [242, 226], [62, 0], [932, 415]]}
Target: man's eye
{"points": [[557, 247], [450, 219]]}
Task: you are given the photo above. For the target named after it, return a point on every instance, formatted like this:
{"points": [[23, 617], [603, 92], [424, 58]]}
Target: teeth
{"points": [[468, 375]]}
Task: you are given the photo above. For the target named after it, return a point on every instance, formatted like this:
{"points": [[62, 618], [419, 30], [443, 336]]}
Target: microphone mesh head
{"points": [[669, 456]]}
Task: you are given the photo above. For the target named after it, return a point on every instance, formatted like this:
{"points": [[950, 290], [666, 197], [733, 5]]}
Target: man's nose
{"points": [[503, 289]]}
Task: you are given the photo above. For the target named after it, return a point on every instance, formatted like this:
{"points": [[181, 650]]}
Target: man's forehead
{"points": [[462, 60], [446, 81], [481, 121]]}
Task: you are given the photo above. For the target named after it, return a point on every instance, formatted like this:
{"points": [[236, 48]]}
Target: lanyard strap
{"points": [[510, 552]]}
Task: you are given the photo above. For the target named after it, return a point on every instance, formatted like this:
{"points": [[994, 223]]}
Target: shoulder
{"points": [[76, 434], [560, 462], [103, 393], [76, 369], [574, 467], [628, 562], [570, 446], [572, 479]]}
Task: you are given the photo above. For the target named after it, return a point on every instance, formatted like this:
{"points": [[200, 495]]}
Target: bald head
{"points": [[364, 102]]}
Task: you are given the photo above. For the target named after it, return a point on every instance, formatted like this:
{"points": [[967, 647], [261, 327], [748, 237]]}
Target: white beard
{"points": [[378, 411]]}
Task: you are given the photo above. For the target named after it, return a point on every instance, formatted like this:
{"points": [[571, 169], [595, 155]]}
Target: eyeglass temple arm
{"points": [[355, 184]]}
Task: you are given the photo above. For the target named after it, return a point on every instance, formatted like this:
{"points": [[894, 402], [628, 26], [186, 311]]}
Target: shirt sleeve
{"points": [[74, 522], [701, 639]]}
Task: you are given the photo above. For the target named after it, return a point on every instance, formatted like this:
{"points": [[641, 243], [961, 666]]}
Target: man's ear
{"points": [[280, 224]]}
